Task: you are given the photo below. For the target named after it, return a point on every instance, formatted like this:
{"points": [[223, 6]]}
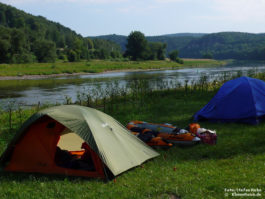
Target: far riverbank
{"points": [[60, 69]]}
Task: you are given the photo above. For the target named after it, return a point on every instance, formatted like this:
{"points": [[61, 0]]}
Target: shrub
{"points": [[72, 56]]}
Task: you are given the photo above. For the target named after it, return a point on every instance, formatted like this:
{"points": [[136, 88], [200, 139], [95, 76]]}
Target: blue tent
{"points": [[238, 100]]}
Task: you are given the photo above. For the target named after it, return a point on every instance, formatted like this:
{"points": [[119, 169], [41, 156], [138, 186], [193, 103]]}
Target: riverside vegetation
{"points": [[97, 66], [201, 171]]}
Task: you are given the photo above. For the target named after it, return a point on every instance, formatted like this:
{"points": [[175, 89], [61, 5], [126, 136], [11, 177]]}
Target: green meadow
{"points": [[97, 66], [200, 171]]}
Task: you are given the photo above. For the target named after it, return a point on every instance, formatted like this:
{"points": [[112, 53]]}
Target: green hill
{"points": [[183, 35], [28, 38], [173, 41], [227, 45], [223, 45], [121, 40]]}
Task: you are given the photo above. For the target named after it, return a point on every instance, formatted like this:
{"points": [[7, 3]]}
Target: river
{"points": [[54, 90]]}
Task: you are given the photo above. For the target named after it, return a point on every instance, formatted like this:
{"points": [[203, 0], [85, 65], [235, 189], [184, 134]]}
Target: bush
{"points": [[23, 58], [72, 56], [207, 56], [115, 54], [180, 61], [45, 51], [62, 57], [173, 55]]}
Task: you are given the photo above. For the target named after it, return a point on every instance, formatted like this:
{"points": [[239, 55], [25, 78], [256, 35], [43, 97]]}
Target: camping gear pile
{"points": [[150, 137], [207, 136], [169, 134]]}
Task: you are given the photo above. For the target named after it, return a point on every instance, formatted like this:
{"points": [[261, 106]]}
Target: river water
{"points": [[54, 90]]}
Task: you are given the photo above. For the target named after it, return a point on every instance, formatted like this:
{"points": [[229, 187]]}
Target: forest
{"points": [[226, 45], [25, 38], [173, 41]]}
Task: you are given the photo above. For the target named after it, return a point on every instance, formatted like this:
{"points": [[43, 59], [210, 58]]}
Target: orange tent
{"points": [[76, 141]]}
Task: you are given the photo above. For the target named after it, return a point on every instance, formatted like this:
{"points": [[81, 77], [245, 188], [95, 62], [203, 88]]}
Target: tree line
{"points": [[223, 45], [25, 38], [226, 45]]}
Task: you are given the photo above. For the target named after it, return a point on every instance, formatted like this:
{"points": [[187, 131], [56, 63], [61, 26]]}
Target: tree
{"points": [[72, 56], [104, 49], [23, 57], [10, 17], [45, 51], [2, 16], [157, 50], [18, 41], [100, 54], [5, 45], [20, 22], [207, 55], [103, 54], [69, 40], [136, 46], [4, 51], [115, 54], [61, 42], [161, 51], [88, 43], [77, 47], [173, 55], [20, 49], [34, 25]]}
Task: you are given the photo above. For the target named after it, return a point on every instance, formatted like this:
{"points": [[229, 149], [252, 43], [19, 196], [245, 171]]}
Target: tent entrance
{"points": [[71, 153], [70, 141]]}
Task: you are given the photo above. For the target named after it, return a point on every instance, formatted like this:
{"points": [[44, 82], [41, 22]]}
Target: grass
{"points": [[202, 171], [96, 66]]}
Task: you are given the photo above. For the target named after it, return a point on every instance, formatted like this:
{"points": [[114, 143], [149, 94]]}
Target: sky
{"points": [[151, 17]]}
